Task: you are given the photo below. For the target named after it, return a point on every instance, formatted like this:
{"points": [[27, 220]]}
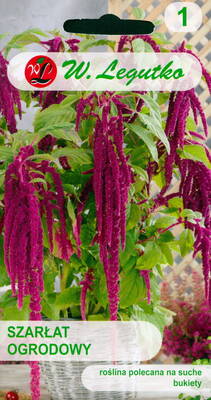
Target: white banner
{"points": [[194, 379], [78, 341], [104, 71]]}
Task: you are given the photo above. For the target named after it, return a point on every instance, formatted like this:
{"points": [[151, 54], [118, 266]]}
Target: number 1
{"points": [[183, 11]]}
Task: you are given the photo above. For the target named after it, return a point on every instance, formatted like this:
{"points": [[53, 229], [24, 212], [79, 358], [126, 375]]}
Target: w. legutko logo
{"points": [[40, 71]]}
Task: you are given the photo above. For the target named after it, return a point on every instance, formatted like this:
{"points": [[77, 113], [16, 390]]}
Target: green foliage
{"points": [[138, 13], [134, 216], [150, 243], [132, 289], [202, 361], [68, 297], [146, 136], [26, 97], [57, 116], [186, 241], [190, 124], [197, 397], [164, 222], [153, 255], [49, 309], [23, 39], [6, 154], [196, 153], [4, 279], [86, 44], [155, 127], [76, 156], [138, 45], [157, 315], [9, 310], [159, 37]]}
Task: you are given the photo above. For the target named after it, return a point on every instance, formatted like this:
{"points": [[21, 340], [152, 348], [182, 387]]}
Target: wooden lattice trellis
{"points": [[200, 41]]}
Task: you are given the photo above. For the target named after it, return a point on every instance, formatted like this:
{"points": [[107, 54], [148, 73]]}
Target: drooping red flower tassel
{"points": [[23, 246], [146, 275], [111, 182], [23, 233], [86, 285], [9, 97]]}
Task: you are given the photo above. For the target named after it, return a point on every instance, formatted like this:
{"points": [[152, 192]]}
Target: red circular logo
{"points": [[40, 71]]}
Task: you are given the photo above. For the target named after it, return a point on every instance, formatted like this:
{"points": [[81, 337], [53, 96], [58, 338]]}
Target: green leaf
{"points": [[6, 154], [134, 217], [153, 125], [70, 210], [129, 248], [138, 13], [12, 313], [71, 189], [44, 156], [97, 317], [49, 310], [71, 98], [138, 45], [22, 138], [164, 222], [153, 106], [61, 131], [40, 180], [39, 32], [190, 124], [159, 316], [166, 237], [196, 153], [55, 115], [159, 37], [7, 300], [69, 297], [175, 202], [130, 264], [50, 273], [146, 136], [3, 35], [186, 242], [148, 48], [159, 179], [4, 279], [21, 40], [162, 98], [167, 253], [26, 97], [132, 289], [171, 210], [190, 214], [100, 288], [78, 156], [152, 256], [84, 45], [86, 235], [141, 172]]}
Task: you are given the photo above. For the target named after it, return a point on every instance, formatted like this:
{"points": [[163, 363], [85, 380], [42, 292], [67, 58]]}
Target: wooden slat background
{"points": [[200, 40]]}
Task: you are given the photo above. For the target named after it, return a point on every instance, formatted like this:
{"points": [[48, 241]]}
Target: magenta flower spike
{"points": [[111, 182], [9, 97]]}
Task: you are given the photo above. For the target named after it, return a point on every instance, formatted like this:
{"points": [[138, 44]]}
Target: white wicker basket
{"points": [[63, 380]]}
